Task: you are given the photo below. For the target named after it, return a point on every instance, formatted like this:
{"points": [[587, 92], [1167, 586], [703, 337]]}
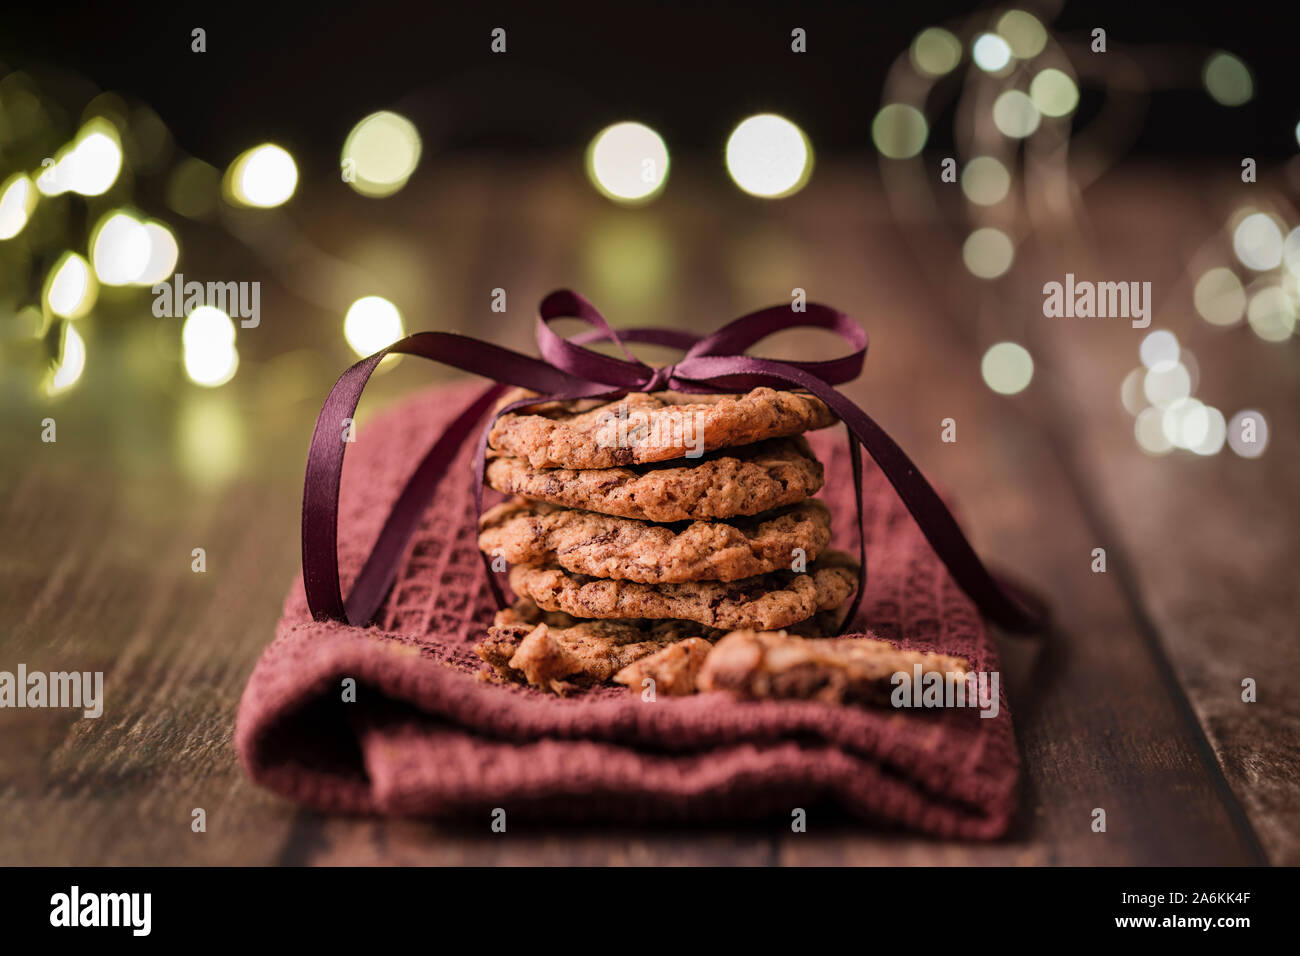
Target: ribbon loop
{"points": [[569, 370]]}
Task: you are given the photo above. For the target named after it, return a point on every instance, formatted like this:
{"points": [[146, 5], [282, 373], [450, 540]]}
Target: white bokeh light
{"points": [[769, 156], [372, 323], [628, 162]]}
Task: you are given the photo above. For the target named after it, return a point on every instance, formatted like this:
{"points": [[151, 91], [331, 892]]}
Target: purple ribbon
{"points": [[568, 370]]}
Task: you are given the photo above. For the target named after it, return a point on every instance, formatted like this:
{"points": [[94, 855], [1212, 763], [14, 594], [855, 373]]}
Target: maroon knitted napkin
{"points": [[424, 736]]}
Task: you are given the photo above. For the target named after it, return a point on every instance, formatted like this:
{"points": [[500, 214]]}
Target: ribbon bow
{"points": [[568, 370]]}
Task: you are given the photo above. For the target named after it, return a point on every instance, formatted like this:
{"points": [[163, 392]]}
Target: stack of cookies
{"points": [[671, 541]]}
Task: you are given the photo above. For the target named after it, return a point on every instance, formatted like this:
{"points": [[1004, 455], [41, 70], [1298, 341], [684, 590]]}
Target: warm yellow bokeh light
{"points": [[1015, 115], [372, 323], [208, 342], [1227, 79], [988, 252], [769, 156], [380, 154], [93, 164], [1219, 296], [1023, 32], [1054, 93], [71, 289], [628, 162], [1258, 242], [1271, 314], [163, 254], [71, 365], [1007, 368], [935, 52], [985, 181], [17, 200], [264, 176], [899, 131], [120, 248]]}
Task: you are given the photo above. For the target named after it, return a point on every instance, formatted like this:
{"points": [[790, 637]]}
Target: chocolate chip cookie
{"points": [[723, 484], [764, 602], [834, 670], [646, 427], [623, 549]]}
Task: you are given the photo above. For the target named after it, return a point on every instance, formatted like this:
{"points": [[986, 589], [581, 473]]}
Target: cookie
{"points": [[673, 669], [645, 427], [765, 602], [602, 546], [831, 670], [724, 484], [561, 659]]}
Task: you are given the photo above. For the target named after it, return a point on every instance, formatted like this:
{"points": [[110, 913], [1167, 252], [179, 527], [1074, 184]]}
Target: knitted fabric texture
{"points": [[425, 737]]}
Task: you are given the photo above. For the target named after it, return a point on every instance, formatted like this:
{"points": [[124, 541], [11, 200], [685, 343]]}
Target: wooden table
{"points": [[1133, 703]]}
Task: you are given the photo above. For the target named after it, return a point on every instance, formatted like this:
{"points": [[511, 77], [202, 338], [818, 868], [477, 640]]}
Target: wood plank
{"points": [[1207, 547], [1097, 727]]}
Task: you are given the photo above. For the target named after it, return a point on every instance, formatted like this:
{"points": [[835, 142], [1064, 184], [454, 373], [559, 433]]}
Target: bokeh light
{"points": [[1023, 32], [1186, 423], [92, 164], [1216, 432], [1053, 93], [72, 362], [1007, 368], [120, 248], [163, 254], [1271, 314], [208, 340], [985, 181], [1248, 433], [1227, 79], [628, 162], [17, 200], [1015, 115], [987, 252], [935, 52], [1130, 391], [1257, 241], [990, 52], [1219, 297], [1167, 383], [769, 156], [263, 177], [1158, 347], [380, 154], [899, 131], [1291, 252], [71, 289], [372, 323], [1149, 431]]}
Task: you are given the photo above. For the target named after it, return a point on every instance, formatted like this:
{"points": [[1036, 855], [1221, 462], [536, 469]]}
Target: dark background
{"points": [[302, 74]]}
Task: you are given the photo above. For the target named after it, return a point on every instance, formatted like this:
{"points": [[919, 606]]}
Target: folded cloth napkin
{"points": [[423, 736]]}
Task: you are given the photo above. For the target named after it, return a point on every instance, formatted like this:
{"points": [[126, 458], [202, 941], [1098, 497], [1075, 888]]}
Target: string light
{"points": [[628, 163], [71, 289], [380, 154], [372, 323], [264, 176], [769, 156]]}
